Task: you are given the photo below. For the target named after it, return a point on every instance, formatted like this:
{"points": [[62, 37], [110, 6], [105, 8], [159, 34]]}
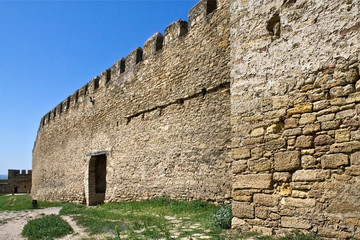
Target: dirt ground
{"points": [[12, 223]]}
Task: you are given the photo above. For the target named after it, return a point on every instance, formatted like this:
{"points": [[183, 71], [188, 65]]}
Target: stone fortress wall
{"points": [[161, 116], [250, 101], [295, 116], [17, 182]]}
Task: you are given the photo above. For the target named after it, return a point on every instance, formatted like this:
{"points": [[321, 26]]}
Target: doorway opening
{"points": [[97, 179]]}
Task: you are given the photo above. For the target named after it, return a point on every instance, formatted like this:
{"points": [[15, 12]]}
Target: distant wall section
{"points": [[161, 116]]}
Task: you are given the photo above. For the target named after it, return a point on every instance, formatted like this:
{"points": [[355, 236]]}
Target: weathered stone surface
{"points": [[253, 181], [259, 165], [308, 161], [291, 123], [334, 160], [304, 142], [281, 177], [261, 212], [239, 166], [298, 203], [240, 153], [293, 222], [307, 118], [342, 135], [323, 140], [300, 108], [309, 175], [266, 200], [287, 161], [257, 132], [346, 147], [355, 158], [243, 210]]}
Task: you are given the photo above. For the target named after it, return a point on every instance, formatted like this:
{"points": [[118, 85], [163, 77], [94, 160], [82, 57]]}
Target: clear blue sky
{"points": [[49, 49]]}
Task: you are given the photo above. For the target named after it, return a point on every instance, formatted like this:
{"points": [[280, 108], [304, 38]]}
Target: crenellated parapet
{"points": [[156, 43]]}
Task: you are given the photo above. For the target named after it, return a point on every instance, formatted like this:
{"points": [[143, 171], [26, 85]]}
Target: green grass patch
{"points": [[46, 228], [21, 202], [151, 219]]}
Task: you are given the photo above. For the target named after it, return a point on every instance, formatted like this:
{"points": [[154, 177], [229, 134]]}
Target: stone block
{"points": [[334, 161], [294, 222], [304, 142], [292, 132], [325, 118], [311, 128], [355, 135], [261, 212], [240, 153], [330, 125], [239, 166], [287, 161], [275, 128], [291, 123], [266, 200], [352, 76], [238, 223], [319, 105], [345, 147], [257, 132], [342, 135], [309, 175], [243, 210], [298, 202], [275, 144], [253, 181], [300, 108], [355, 158], [307, 118], [308, 161], [281, 176], [298, 194], [263, 230], [323, 140], [345, 114], [260, 165]]}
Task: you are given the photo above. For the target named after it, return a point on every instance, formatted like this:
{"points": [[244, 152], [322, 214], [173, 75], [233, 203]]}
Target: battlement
{"points": [[173, 35], [12, 173]]}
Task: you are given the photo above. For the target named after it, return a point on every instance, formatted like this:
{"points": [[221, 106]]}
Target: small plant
{"points": [[222, 217], [46, 228]]}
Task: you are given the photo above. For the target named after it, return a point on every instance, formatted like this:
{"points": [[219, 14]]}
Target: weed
{"points": [[46, 228], [222, 218]]}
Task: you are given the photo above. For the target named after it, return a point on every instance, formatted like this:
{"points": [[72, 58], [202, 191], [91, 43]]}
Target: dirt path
{"points": [[12, 223]]}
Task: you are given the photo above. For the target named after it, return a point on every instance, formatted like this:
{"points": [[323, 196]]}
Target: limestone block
{"points": [[355, 158], [291, 123], [309, 175], [308, 161], [329, 125], [311, 128], [334, 160], [300, 108], [297, 202], [263, 230], [319, 105], [253, 181], [287, 161], [345, 147], [261, 212], [342, 135], [243, 210], [275, 144], [355, 135], [326, 117], [304, 142], [281, 176], [323, 140], [307, 118], [298, 194], [259, 165], [240, 153], [294, 222], [238, 223], [292, 132], [257, 132], [266, 200], [345, 114], [352, 75], [239, 166]]}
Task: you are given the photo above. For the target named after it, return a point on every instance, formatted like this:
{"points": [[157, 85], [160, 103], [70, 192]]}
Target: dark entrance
{"points": [[15, 189], [97, 179]]}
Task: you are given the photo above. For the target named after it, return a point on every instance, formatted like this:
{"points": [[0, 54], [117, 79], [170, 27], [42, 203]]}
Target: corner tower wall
{"points": [[161, 115], [295, 124]]}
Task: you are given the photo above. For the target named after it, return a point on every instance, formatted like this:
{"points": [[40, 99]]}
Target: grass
{"points": [[46, 228], [21, 202], [150, 219]]}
